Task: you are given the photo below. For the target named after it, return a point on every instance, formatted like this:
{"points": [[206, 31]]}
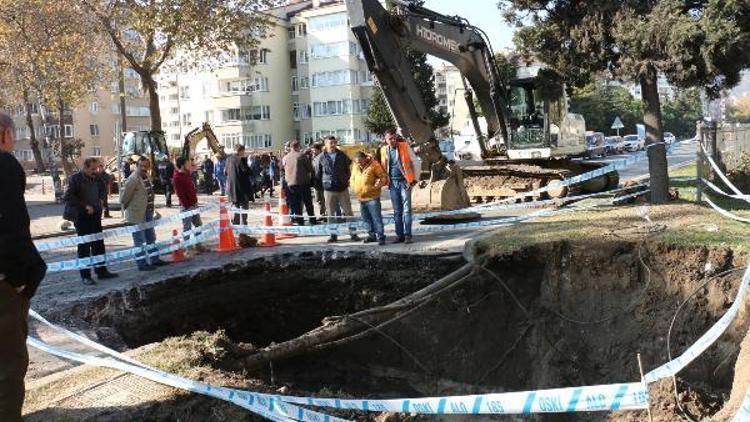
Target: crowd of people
{"points": [[320, 170]]}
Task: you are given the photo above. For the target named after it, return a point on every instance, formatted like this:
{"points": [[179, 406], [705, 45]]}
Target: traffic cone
{"points": [[268, 239], [284, 219], [178, 255], [226, 234]]}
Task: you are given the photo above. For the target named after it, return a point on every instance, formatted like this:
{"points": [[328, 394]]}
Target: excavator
{"points": [[531, 139], [198, 134]]}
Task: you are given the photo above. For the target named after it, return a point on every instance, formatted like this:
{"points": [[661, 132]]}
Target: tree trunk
{"points": [[657, 154], [32, 136], [153, 100], [68, 167]]}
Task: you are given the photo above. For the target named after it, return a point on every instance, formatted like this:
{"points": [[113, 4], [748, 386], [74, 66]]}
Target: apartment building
{"points": [[306, 81], [245, 98], [450, 92], [96, 121]]}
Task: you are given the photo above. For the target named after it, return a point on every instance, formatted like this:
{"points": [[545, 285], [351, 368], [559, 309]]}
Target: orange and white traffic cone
{"points": [[226, 234], [178, 255], [268, 239], [284, 219]]}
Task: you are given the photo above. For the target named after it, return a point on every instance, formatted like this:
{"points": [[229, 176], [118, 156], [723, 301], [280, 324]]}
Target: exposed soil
{"points": [[579, 313]]}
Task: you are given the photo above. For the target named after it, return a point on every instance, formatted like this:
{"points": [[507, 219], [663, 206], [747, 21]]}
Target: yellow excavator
{"points": [[198, 134]]}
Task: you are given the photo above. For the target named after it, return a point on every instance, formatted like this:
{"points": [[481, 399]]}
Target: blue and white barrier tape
{"points": [[120, 231], [723, 177], [611, 397], [743, 415], [260, 404], [134, 253], [674, 366], [724, 212]]}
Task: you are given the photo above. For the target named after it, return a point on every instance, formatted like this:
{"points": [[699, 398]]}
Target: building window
{"points": [[94, 107], [303, 57], [68, 131], [304, 82], [327, 22], [334, 49], [290, 31], [185, 92], [186, 119], [94, 130], [134, 111], [306, 111], [259, 56], [174, 110], [230, 115], [230, 140], [96, 151], [208, 117], [267, 141], [293, 59], [115, 108], [301, 30], [175, 136], [295, 112], [295, 84]]}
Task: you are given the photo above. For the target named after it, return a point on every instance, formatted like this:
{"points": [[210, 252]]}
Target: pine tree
{"points": [[379, 118]]}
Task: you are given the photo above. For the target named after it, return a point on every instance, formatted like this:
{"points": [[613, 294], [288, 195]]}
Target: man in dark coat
{"points": [[166, 171], [208, 174], [83, 206], [21, 271], [239, 188]]}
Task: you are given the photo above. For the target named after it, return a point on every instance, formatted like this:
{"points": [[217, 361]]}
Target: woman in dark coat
{"points": [[239, 188]]}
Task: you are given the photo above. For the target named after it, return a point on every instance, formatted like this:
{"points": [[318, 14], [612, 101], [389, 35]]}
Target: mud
{"points": [[578, 315]]}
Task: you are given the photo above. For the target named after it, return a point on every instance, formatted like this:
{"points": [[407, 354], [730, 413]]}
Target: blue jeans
{"points": [[147, 237], [372, 216], [401, 201]]}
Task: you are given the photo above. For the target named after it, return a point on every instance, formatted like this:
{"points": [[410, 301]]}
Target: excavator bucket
{"points": [[441, 195]]}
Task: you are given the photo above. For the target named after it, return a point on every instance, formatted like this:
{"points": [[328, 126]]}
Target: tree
{"points": [[739, 110], [424, 76], [53, 43], [693, 43], [149, 33], [600, 104], [682, 112], [379, 118]]}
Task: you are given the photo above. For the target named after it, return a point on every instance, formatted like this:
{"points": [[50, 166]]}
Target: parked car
{"points": [[633, 142], [669, 138], [614, 145], [595, 145]]}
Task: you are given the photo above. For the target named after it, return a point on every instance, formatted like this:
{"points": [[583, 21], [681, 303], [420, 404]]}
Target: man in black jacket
{"points": [[333, 170], [21, 271], [166, 171], [239, 190], [83, 206]]}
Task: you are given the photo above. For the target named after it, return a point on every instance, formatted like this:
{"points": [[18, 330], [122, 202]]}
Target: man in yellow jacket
{"points": [[367, 178]]}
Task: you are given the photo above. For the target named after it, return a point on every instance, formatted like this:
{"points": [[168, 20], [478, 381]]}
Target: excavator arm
{"points": [[385, 37], [198, 134]]}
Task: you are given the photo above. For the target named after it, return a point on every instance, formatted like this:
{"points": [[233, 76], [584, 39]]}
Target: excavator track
{"points": [[498, 179]]}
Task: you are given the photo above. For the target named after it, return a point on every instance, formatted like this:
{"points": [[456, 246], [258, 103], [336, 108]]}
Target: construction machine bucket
{"points": [[440, 195]]}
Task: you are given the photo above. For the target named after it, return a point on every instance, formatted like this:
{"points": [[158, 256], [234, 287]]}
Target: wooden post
{"points": [[699, 163]]}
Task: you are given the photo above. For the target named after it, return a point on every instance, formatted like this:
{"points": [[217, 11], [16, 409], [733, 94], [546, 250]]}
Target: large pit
{"points": [[578, 315]]}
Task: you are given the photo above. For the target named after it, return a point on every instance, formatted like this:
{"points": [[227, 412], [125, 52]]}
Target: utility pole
{"points": [[119, 136]]}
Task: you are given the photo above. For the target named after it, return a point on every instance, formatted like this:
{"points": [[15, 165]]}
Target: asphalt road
{"points": [[680, 153]]}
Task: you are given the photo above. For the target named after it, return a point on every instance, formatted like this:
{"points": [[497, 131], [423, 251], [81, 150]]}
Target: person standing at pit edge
{"points": [[83, 206], [21, 271], [400, 162], [188, 196], [166, 170], [333, 170], [368, 177], [239, 189], [138, 203]]}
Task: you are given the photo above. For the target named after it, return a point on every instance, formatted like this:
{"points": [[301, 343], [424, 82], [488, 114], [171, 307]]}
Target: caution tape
{"points": [[609, 397], [270, 408], [722, 176], [674, 366], [743, 415], [198, 235], [120, 231]]}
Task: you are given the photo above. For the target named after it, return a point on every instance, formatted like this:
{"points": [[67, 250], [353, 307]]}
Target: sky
{"points": [[481, 13]]}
